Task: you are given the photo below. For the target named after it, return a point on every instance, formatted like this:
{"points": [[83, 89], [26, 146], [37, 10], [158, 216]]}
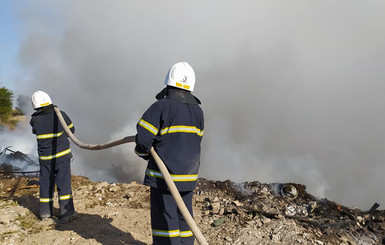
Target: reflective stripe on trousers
{"points": [[173, 233], [168, 224], [174, 177], [58, 174]]}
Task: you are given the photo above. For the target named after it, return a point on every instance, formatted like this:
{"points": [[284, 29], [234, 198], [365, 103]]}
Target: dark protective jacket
{"points": [[52, 141], [174, 127]]}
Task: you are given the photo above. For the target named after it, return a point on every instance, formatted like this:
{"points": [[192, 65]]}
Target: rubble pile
{"points": [[226, 212], [255, 213]]}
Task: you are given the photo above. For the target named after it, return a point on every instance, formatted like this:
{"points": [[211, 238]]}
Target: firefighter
{"points": [[54, 157], [173, 125]]}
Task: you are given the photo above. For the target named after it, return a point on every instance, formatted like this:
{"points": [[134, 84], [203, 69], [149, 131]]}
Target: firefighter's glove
{"points": [[141, 153], [147, 157]]}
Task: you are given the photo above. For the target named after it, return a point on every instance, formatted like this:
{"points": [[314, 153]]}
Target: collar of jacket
{"points": [[181, 95], [44, 110]]}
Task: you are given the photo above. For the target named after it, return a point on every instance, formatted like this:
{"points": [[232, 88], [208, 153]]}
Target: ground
{"points": [[12, 121], [226, 213]]}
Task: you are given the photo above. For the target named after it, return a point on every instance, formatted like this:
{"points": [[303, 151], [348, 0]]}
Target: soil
{"points": [[13, 120], [226, 213]]}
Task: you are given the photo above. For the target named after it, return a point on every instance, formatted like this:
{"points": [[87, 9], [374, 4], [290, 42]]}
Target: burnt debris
{"points": [[16, 163], [288, 208]]}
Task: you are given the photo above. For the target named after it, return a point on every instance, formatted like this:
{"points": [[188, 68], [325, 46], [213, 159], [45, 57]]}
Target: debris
{"points": [[374, 207], [275, 219], [217, 222], [289, 191], [311, 207], [215, 207], [284, 214], [29, 186], [16, 163]]}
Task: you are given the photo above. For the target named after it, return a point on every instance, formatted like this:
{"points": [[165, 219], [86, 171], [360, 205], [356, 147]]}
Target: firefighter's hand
{"points": [[141, 153], [147, 157]]}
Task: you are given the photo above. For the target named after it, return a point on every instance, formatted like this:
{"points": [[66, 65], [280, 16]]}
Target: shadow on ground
{"points": [[88, 226]]}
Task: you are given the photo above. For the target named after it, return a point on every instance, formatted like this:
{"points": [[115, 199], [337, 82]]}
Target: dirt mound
{"points": [[226, 213], [15, 119]]}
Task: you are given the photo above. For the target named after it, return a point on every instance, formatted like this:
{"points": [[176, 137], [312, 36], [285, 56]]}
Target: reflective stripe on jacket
{"points": [[174, 126], [52, 140]]}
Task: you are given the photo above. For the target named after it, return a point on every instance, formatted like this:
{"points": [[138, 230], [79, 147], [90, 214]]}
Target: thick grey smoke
{"points": [[292, 90]]}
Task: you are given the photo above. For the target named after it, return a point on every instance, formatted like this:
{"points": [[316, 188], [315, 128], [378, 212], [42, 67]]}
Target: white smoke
{"points": [[21, 139], [292, 91]]}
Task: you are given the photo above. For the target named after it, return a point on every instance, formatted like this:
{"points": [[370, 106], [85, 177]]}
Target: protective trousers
{"points": [[59, 173], [168, 225]]}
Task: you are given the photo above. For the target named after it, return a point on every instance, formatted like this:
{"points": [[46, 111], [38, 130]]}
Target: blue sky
{"points": [[18, 19], [10, 38]]}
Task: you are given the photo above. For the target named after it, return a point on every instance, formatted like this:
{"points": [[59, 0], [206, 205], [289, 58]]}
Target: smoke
{"points": [[292, 91], [23, 104]]}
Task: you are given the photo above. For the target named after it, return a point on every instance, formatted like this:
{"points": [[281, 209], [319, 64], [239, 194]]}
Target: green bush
{"points": [[6, 97]]}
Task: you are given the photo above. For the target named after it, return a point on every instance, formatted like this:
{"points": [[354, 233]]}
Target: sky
{"points": [[10, 41], [292, 91]]}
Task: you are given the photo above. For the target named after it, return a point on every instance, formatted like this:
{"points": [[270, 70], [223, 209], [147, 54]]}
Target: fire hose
{"points": [[162, 167]]}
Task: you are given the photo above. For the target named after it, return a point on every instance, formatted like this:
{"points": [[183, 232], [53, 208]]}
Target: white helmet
{"points": [[40, 99], [181, 75]]}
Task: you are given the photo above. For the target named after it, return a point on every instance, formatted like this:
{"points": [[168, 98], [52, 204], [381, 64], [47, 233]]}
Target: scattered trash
{"points": [[29, 186], [374, 207], [289, 191], [217, 222]]}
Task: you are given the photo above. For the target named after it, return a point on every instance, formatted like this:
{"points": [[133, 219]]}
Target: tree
{"points": [[6, 97]]}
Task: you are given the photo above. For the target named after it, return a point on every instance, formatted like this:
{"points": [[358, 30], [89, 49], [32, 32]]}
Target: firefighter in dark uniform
{"points": [[54, 157], [174, 127]]}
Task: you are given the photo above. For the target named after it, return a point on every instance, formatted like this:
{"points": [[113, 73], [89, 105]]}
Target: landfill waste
{"points": [[227, 213]]}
